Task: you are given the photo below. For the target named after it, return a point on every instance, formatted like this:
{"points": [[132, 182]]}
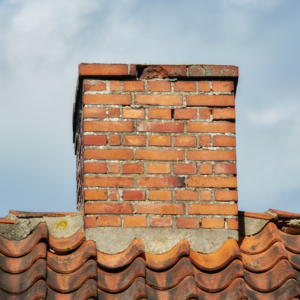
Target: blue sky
{"points": [[42, 43]]}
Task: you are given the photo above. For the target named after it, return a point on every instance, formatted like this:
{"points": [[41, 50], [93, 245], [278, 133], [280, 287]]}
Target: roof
{"points": [[262, 266]]}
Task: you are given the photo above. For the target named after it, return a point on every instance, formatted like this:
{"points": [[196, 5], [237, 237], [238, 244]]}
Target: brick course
{"points": [[157, 152]]}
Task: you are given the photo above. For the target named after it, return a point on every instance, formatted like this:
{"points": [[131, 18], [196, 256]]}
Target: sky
{"points": [[42, 43]]}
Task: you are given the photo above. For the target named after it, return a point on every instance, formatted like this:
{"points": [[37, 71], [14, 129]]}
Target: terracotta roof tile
{"points": [[19, 283], [37, 291], [20, 248], [64, 245], [262, 216], [285, 214], [30, 214], [185, 290], [215, 282], [263, 266], [117, 282], [170, 278], [69, 263], [7, 221], [21, 264]]}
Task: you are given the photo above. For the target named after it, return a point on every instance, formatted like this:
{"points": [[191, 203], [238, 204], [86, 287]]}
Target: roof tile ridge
{"points": [[218, 259]]}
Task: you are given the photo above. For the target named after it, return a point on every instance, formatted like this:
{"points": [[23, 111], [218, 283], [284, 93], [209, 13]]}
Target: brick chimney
{"points": [[156, 156]]}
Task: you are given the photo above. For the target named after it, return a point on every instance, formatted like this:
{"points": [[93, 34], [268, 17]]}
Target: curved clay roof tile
{"points": [[38, 291], [21, 264], [185, 290], [271, 280], [122, 259], [291, 242], [265, 261], [218, 259], [20, 248], [19, 283], [294, 259], [67, 244], [117, 282], [66, 283], [236, 290], [135, 292], [168, 259], [215, 282], [69, 263], [89, 289], [261, 241], [170, 278]]}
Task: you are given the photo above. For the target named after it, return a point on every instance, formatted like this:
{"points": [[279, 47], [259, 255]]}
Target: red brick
{"points": [[211, 182], [132, 169], [114, 195], [223, 86], [97, 140], [159, 140], [94, 112], [115, 85], [204, 140], [186, 195], [131, 113], [205, 195], [213, 71], [114, 140], [211, 155], [213, 209], [113, 112], [132, 70], [224, 141], [187, 222], [233, 224], [109, 221], [134, 195], [203, 86], [159, 113], [90, 195], [109, 99], [158, 100], [94, 85], [134, 140], [103, 69], [108, 208], [223, 113], [159, 154], [108, 181], [129, 86], [205, 169], [160, 126], [135, 221], [175, 70], [211, 127], [114, 167], [121, 154], [224, 195], [161, 181], [161, 209], [212, 223], [160, 222], [159, 168], [185, 141], [160, 195], [90, 222], [159, 86], [204, 113], [108, 126], [210, 100], [95, 168], [187, 113], [225, 168], [184, 169], [185, 86]]}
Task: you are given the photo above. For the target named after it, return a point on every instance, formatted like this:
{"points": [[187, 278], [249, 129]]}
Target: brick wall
{"points": [[155, 146]]}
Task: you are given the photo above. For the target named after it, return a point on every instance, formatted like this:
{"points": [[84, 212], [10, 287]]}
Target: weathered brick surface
{"points": [[157, 142]]}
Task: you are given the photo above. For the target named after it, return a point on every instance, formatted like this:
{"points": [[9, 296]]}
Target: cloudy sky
{"points": [[42, 43]]}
